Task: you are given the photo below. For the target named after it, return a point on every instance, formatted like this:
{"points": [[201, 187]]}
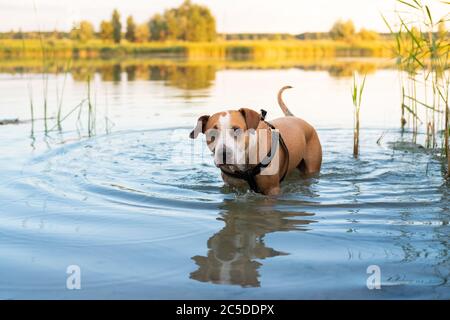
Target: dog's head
{"points": [[227, 135]]}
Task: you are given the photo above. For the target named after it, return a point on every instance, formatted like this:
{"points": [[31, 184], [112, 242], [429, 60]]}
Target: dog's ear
{"points": [[251, 117], [200, 127]]}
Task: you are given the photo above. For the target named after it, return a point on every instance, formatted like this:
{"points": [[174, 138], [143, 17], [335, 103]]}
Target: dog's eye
{"points": [[237, 132]]}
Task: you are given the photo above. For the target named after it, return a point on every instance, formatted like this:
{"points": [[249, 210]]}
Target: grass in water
{"points": [[59, 99], [91, 115], [422, 50], [357, 91]]}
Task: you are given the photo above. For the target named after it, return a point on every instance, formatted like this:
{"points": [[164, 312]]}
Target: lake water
{"points": [[141, 209]]}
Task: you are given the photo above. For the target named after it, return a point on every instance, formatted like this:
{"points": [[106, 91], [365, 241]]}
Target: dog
{"points": [[239, 140]]}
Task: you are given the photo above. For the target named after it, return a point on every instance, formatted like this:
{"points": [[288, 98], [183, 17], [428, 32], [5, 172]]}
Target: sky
{"points": [[286, 16]]}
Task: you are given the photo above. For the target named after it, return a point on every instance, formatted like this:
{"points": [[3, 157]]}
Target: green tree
{"points": [[342, 30], [201, 26], [82, 31], [174, 24], [130, 34], [158, 28], [117, 26], [106, 31], [188, 22], [142, 33]]}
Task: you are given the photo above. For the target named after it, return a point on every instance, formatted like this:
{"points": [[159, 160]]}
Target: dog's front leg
{"points": [[268, 185], [272, 191]]}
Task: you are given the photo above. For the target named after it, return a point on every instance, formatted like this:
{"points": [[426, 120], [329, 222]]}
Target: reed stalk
{"points": [[77, 107], [91, 117], [44, 70], [30, 96], [60, 100], [357, 91], [420, 49]]}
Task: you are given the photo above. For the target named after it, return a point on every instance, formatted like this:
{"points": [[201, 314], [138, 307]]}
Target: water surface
{"points": [[144, 214]]}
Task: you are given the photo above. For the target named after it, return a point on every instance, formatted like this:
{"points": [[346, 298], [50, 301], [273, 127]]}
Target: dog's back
{"points": [[299, 135]]}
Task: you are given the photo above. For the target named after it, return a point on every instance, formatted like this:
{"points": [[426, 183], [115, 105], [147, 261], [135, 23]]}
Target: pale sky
{"points": [[290, 16]]}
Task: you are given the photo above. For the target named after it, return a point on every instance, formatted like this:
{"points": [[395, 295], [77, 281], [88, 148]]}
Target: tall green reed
{"points": [[30, 96], [59, 99], [91, 109], [357, 91], [44, 70], [422, 58]]}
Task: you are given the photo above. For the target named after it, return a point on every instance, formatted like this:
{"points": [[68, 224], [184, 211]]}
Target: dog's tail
{"points": [[281, 103]]}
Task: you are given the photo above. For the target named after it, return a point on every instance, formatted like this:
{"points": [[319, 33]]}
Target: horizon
{"points": [[45, 15]]}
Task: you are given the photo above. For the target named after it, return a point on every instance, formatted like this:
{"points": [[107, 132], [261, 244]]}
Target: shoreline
{"points": [[232, 49]]}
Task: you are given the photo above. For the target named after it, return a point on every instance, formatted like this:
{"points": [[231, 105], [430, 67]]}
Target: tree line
{"points": [[191, 22], [188, 22]]}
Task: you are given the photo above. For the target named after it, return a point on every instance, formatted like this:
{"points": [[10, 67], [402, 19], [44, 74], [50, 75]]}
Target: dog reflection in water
{"points": [[233, 251]]}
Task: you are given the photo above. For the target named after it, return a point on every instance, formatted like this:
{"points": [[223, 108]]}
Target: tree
{"points": [[130, 34], [189, 22], [82, 31], [117, 26], [18, 35], [342, 30], [55, 34], [158, 28], [174, 24], [106, 31], [442, 30], [365, 34], [210, 21], [201, 25], [142, 33]]}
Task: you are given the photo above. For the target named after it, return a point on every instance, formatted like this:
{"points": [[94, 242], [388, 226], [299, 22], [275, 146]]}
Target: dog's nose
{"points": [[223, 154]]}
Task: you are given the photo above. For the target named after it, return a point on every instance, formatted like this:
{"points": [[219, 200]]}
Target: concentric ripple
{"points": [[146, 214]]}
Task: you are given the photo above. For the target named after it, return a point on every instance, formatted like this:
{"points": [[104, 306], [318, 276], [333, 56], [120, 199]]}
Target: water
{"points": [[144, 214]]}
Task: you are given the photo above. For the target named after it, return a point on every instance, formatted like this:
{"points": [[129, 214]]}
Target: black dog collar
{"points": [[250, 174]]}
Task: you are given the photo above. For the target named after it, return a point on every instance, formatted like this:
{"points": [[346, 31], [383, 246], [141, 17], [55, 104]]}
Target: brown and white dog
{"points": [[239, 140]]}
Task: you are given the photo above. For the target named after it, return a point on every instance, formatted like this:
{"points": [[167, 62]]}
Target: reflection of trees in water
{"points": [[198, 76], [233, 251], [183, 77], [347, 69], [188, 77], [131, 72], [157, 73], [181, 74], [82, 73], [111, 73]]}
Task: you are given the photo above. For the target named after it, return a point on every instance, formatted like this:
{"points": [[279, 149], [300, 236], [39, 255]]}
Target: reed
{"points": [[30, 97], [77, 107], [357, 91], [91, 109], [422, 55], [43, 51], [59, 99]]}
